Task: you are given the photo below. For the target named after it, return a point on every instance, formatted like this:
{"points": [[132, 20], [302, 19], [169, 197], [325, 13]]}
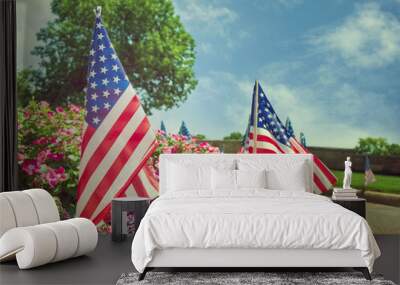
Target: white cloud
{"points": [[207, 17], [209, 21], [276, 4], [369, 38], [200, 12], [311, 115]]}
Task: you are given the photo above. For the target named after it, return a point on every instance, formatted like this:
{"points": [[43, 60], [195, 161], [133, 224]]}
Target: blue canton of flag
{"points": [[267, 118], [106, 77]]}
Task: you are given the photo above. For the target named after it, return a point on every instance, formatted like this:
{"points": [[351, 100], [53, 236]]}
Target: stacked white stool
{"points": [[31, 230]]}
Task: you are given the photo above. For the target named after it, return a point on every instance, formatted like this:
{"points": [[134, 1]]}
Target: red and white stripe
{"points": [[265, 143], [112, 155], [323, 179], [143, 185]]}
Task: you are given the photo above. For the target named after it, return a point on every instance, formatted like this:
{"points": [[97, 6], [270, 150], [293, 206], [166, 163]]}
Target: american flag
{"points": [[117, 137], [369, 176], [270, 136]]}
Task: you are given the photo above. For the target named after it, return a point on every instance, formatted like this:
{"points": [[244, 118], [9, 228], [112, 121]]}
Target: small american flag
{"points": [[369, 176], [117, 137], [270, 136]]}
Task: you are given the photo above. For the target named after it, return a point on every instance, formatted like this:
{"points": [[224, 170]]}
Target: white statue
{"points": [[347, 174]]}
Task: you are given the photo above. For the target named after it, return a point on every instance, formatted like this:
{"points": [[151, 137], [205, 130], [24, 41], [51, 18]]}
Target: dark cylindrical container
{"points": [[126, 214]]}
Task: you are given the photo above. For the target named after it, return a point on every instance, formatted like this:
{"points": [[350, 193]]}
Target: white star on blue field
{"points": [[331, 66]]}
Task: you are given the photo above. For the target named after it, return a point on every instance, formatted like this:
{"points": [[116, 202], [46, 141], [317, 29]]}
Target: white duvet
{"points": [[253, 218]]}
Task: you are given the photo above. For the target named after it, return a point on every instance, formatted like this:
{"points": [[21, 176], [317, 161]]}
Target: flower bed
{"points": [[49, 150], [173, 143]]}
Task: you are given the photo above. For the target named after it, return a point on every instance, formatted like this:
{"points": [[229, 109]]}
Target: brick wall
{"points": [[333, 157]]}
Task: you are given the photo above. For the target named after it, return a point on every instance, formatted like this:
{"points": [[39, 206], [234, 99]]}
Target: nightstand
{"points": [[126, 214], [356, 205]]}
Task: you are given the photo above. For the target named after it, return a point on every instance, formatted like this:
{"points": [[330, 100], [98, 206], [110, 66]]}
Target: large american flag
{"points": [[270, 136], [117, 137]]}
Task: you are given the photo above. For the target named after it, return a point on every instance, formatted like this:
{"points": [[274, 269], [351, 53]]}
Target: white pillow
{"points": [[182, 177], [251, 178], [292, 179], [223, 179]]}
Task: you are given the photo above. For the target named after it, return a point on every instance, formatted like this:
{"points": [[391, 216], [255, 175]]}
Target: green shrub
{"points": [[377, 146]]}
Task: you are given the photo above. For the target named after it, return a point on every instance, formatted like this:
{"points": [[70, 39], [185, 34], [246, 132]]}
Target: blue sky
{"points": [[331, 66]]}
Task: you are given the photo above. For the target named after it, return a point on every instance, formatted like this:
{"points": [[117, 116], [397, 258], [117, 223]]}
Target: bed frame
{"points": [[243, 259], [249, 258]]}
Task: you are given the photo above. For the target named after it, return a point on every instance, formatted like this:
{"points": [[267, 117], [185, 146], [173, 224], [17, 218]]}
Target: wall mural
{"points": [[331, 77]]}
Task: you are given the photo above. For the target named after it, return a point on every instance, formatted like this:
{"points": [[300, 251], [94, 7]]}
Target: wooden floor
{"points": [[110, 260]]}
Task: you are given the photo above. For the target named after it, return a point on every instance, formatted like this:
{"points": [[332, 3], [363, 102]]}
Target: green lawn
{"points": [[383, 219], [383, 183]]}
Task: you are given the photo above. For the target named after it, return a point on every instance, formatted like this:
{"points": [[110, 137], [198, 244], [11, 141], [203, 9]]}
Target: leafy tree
{"points": [[24, 86], [394, 149], [183, 130], [151, 42], [377, 146], [234, 136], [200, 137]]}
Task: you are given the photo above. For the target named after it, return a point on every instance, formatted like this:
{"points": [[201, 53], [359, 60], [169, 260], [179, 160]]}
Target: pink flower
{"points": [[203, 144], [50, 114], [60, 170], [52, 140], [167, 149], [27, 114], [74, 108], [66, 132], [30, 166], [54, 176], [175, 149], [42, 156], [55, 156], [176, 137], [44, 104], [40, 141], [60, 110]]}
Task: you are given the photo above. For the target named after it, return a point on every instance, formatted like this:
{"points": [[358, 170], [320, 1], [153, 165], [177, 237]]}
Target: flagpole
{"points": [[255, 117]]}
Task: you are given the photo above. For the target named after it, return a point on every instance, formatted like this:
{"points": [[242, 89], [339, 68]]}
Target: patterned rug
{"points": [[242, 278]]}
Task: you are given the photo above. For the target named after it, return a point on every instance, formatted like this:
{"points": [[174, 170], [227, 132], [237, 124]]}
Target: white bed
{"points": [[209, 226]]}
